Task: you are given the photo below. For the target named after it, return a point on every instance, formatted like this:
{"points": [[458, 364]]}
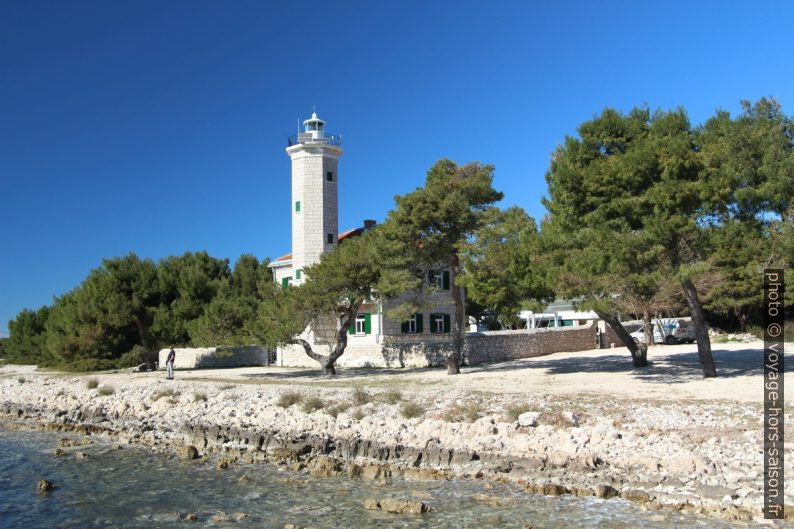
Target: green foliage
{"points": [[338, 408], [361, 397], [312, 404], [390, 397], [430, 228], [411, 410], [288, 399], [512, 411], [334, 290], [133, 358], [27, 341], [469, 412], [21, 380], [504, 265]]}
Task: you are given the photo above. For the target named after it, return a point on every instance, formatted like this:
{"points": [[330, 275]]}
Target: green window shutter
{"points": [[433, 323], [352, 328], [446, 280], [419, 328], [297, 274], [285, 282], [297, 206], [446, 323], [367, 323], [404, 327]]}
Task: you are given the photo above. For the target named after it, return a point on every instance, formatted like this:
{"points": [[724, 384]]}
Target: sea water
{"points": [[138, 488]]}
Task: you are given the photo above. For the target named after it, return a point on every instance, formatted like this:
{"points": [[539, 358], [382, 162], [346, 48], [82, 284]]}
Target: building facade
{"points": [[374, 339]]}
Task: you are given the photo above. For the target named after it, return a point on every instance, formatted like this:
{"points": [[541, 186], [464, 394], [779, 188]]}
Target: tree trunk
{"points": [[639, 356], [701, 329], [647, 327], [458, 328], [142, 334]]}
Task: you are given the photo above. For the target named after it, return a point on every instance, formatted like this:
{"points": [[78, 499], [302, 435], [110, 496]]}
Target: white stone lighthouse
{"points": [[315, 207]]}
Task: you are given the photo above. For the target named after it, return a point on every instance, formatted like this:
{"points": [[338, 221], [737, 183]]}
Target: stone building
{"points": [[374, 339]]}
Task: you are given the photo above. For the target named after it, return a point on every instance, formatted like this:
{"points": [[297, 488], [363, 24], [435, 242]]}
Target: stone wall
{"points": [[610, 339], [502, 346], [485, 347], [198, 357]]}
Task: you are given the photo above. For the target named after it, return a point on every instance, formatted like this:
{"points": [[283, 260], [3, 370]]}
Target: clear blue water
{"points": [[137, 488]]}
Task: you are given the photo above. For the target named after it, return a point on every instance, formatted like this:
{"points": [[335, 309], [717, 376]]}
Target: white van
{"points": [[669, 331]]}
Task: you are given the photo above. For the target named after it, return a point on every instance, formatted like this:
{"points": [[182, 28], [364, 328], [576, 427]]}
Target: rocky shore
{"points": [[695, 456]]}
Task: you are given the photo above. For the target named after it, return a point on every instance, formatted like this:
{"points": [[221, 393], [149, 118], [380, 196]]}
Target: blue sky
{"points": [[158, 127]]}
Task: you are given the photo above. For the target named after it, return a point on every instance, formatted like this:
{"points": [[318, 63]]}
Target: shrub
{"points": [[91, 383], [391, 397], [199, 396], [288, 399], [514, 410], [105, 391], [133, 358], [84, 365], [312, 404], [359, 414], [338, 408], [361, 397], [411, 410], [21, 380], [462, 413], [165, 393]]}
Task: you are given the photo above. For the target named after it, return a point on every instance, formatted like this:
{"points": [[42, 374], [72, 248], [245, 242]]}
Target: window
{"points": [[413, 325], [329, 238], [439, 323], [329, 176], [362, 325], [440, 278], [297, 206], [285, 281], [297, 274]]}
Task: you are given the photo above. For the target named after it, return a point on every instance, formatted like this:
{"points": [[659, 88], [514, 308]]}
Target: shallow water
{"points": [[137, 488]]}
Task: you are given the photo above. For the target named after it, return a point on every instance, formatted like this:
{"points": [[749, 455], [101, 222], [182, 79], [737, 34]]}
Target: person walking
{"points": [[169, 364]]}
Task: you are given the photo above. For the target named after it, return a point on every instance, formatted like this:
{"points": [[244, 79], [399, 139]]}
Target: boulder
{"points": [[43, 486], [529, 418], [221, 517], [244, 479], [187, 452], [606, 491], [60, 453], [191, 517], [81, 455]]}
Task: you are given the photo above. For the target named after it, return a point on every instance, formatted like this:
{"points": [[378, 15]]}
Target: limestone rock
{"points": [[43, 486], [244, 479], [59, 453], [529, 418], [191, 517], [187, 452], [81, 455], [606, 491], [240, 516], [220, 517], [637, 496]]}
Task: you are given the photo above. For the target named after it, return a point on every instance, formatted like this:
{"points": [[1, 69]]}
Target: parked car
{"points": [[668, 331]]}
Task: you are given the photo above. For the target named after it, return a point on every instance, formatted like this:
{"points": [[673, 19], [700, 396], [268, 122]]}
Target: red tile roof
{"points": [[345, 235]]}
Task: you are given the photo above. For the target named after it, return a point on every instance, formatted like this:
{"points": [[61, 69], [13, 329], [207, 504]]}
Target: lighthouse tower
{"points": [[315, 208]]}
